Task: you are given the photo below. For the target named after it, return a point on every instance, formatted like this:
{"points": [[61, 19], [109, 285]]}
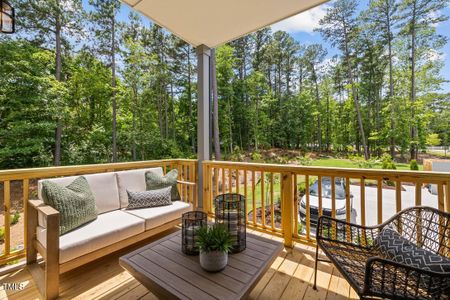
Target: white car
{"points": [[326, 200]]}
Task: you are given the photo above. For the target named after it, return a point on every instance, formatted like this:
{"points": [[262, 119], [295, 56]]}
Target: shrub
{"points": [[387, 162], [214, 238], [2, 233], [256, 156], [413, 165], [15, 218], [304, 160]]}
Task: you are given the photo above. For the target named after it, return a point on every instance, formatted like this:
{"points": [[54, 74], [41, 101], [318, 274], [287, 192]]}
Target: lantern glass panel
{"points": [[191, 222], [230, 210]]}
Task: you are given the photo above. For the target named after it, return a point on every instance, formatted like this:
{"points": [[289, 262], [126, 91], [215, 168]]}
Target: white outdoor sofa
{"points": [[115, 227]]}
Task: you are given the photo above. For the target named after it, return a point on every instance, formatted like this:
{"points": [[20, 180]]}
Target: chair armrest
{"points": [[35, 203], [186, 182], [335, 230], [389, 279]]}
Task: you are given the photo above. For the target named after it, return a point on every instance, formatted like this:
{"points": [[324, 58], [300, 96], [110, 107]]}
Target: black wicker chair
{"points": [[372, 274]]}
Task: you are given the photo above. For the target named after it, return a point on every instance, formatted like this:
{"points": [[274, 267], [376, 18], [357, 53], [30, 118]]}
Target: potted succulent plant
{"points": [[214, 244]]}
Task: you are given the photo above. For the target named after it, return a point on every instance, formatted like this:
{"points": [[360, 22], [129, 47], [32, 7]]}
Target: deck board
{"points": [[290, 277]]}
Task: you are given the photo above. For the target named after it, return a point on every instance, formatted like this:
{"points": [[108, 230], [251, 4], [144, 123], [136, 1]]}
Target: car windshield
{"points": [[326, 188]]}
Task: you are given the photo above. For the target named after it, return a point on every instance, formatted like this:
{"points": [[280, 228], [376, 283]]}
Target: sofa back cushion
{"points": [[75, 203], [134, 181], [103, 186]]}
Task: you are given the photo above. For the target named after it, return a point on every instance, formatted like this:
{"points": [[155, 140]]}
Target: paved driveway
{"points": [[408, 199]]}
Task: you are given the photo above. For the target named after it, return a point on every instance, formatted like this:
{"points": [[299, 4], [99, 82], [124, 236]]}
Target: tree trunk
{"points": [[113, 86], [319, 130], [414, 148], [190, 100], [58, 67], [355, 96], [215, 106], [391, 84]]}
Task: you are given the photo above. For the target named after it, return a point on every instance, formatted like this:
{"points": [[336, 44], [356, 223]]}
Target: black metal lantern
{"points": [[230, 211], [191, 222], [7, 18]]}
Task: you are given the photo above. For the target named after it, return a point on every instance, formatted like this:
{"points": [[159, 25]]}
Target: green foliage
{"points": [[387, 162], [15, 218], [413, 165], [433, 139], [304, 160], [273, 91], [214, 238], [2, 234]]}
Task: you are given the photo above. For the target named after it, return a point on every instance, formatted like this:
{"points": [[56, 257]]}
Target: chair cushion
{"points": [[134, 181], [107, 229], [156, 181], [156, 216], [401, 250], [103, 186], [75, 203], [152, 198]]}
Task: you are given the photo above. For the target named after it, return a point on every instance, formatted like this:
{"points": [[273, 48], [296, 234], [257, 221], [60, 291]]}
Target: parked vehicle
{"points": [[340, 202]]}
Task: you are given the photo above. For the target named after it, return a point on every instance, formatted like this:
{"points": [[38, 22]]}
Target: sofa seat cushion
{"points": [[107, 229], [133, 181], [157, 216], [103, 186]]}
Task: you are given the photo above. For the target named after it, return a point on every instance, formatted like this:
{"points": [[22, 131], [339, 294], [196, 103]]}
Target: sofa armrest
{"points": [[186, 183], [35, 203]]}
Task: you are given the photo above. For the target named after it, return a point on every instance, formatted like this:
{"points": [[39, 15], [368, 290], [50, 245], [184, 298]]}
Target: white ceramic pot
{"points": [[213, 261]]}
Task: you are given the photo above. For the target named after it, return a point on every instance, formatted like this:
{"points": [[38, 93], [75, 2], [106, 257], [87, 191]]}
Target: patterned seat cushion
{"points": [[153, 198], [74, 202], [400, 250], [155, 181]]}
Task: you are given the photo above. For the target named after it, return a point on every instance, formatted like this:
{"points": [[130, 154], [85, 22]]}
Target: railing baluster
{"points": [[224, 189], [308, 212], [363, 201], [447, 199], [441, 200], [263, 204], [230, 180], [216, 181], [348, 208], [272, 208], [26, 194], [333, 197], [245, 195], [295, 203], [398, 196], [253, 198], [379, 201], [7, 203], [237, 181], [319, 190], [418, 200]]}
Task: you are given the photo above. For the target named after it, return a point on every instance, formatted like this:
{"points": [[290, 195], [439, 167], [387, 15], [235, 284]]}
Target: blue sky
{"points": [[301, 28]]}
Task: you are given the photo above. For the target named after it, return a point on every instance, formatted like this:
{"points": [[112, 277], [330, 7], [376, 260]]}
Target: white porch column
{"points": [[203, 115]]}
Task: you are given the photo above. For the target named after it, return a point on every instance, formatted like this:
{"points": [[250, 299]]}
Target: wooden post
{"points": [[203, 115], [52, 256], [287, 200]]}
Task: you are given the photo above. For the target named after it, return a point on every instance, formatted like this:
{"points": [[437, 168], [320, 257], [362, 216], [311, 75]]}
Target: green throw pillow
{"points": [[75, 203], [155, 181]]}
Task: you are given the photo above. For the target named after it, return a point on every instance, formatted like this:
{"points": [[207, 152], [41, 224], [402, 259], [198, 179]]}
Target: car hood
{"points": [[326, 202]]}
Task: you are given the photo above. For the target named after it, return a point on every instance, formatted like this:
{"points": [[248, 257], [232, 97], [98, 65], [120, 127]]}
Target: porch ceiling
{"points": [[215, 22]]}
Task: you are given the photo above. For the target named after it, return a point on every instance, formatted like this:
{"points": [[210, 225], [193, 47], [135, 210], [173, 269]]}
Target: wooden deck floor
{"points": [[290, 277]]}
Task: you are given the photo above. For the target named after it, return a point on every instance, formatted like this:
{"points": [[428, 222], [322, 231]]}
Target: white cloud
{"points": [[305, 21]]}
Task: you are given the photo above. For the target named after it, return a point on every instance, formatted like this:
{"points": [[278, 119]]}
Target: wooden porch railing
{"points": [[272, 193], [19, 185], [269, 188]]}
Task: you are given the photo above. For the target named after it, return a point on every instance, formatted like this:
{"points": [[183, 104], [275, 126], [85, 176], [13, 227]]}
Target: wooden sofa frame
{"points": [[47, 278]]}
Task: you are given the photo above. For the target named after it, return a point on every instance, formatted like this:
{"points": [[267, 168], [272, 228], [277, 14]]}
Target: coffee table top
{"points": [[168, 273]]}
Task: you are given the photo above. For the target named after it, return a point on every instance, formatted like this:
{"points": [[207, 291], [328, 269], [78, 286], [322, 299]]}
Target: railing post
{"points": [[206, 191], [287, 200]]}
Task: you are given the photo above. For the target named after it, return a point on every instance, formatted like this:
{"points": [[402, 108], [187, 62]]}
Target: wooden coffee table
{"points": [[168, 273]]}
